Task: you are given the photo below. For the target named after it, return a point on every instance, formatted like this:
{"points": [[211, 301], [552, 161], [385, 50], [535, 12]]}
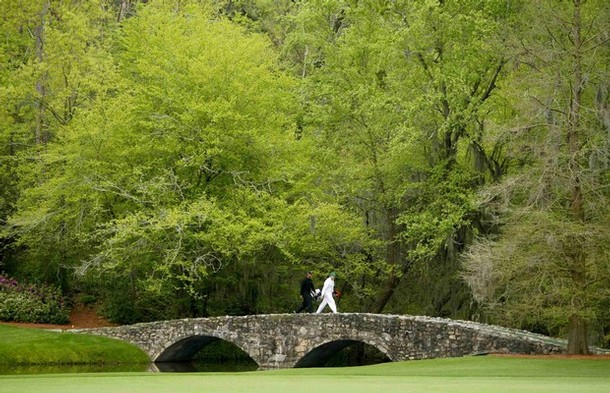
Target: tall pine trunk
{"points": [[577, 336]]}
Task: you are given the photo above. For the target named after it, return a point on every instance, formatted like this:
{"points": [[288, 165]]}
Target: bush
{"points": [[31, 303], [147, 306]]}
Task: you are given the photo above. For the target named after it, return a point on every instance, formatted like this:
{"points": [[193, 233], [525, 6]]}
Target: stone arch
{"points": [[289, 340], [321, 353], [184, 348]]}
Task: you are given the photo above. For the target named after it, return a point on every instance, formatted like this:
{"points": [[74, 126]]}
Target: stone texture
{"points": [[298, 340]]}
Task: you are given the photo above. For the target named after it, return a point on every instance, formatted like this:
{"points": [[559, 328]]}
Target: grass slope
{"points": [[456, 375], [23, 346]]}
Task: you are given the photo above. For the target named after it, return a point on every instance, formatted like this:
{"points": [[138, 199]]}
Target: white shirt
{"points": [[329, 286]]}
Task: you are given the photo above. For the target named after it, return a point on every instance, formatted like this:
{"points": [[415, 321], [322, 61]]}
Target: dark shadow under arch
{"points": [[194, 348], [342, 353]]}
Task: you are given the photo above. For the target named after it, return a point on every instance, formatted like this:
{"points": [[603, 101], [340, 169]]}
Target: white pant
{"points": [[327, 299]]}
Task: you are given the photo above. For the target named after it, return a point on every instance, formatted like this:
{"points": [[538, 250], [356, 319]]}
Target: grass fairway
{"points": [[21, 346], [456, 375]]}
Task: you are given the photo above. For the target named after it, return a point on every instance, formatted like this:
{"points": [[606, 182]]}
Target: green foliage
{"points": [[20, 307], [192, 158], [128, 299], [399, 91], [58, 67], [525, 278], [271, 17], [443, 206], [31, 303], [548, 268]]}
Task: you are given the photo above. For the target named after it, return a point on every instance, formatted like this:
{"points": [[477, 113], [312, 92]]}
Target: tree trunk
{"points": [[41, 131], [577, 336], [388, 290], [124, 9], [393, 255]]}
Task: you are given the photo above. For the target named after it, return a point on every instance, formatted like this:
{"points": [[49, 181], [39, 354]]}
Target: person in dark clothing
{"points": [[307, 293]]}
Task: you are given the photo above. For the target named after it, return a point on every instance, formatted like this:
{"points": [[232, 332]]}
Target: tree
{"points": [[399, 92], [457, 57], [56, 64], [172, 183], [547, 267]]}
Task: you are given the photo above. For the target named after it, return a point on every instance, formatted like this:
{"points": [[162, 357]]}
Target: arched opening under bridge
{"points": [[343, 353], [204, 353]]}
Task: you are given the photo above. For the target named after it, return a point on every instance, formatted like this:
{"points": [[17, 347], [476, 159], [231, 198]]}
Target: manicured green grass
{"points": [[477, 374], [457, 375], [478, 366], [22, 346]]}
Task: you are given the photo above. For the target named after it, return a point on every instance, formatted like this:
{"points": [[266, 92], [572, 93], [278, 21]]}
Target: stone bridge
{"points": [[307, 340]]}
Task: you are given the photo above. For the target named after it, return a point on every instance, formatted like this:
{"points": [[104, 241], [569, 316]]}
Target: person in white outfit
{"points": [[327, 294]]}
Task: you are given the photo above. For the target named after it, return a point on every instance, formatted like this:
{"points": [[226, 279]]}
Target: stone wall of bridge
{"points": [[302, 340]]}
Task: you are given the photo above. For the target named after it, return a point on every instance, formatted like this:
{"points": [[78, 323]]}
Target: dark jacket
{"points": [[306, 287]]}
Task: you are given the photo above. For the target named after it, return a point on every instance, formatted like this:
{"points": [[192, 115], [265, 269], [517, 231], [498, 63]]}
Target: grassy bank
{"points": [[458, 375], [23, 346]]}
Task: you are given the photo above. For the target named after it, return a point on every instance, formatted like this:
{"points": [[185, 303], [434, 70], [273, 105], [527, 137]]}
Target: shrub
{"points": [[31, 303]]}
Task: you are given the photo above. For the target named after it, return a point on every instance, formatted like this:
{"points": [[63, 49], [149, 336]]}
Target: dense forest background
{"points": [[186, 158]]}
